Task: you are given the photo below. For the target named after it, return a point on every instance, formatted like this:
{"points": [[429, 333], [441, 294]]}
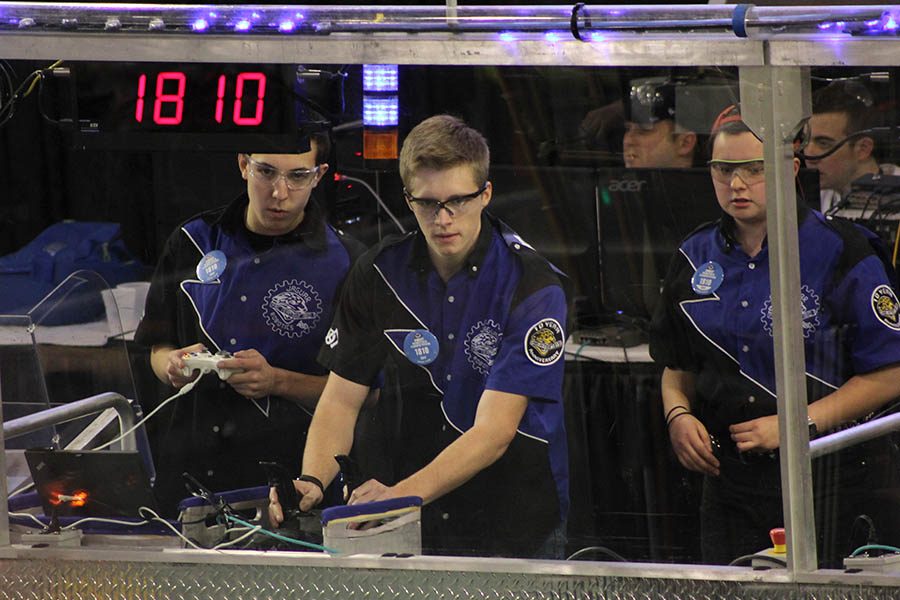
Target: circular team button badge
{"points": [[421, 347], [211, 266], [707, 278]]}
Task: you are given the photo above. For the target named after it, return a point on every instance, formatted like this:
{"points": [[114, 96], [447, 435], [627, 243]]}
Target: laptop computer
{"points": [[90, 484]]}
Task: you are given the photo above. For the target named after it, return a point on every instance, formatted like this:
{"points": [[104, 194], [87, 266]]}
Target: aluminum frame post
{"points": [[4, 487], [774, 102]]}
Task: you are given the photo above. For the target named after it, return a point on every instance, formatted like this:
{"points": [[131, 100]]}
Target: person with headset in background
{"points": [[842, 145], [467, 321], [256, 278], [713, 334]]}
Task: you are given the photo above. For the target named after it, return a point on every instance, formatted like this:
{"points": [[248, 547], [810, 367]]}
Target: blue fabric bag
{"points": [[29, 274]]}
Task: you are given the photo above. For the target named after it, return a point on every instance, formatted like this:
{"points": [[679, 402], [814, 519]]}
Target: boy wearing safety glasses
{"points": [[257, 279], [467, 322]]}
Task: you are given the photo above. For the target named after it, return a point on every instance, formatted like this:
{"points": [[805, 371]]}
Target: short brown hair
{"points": [[323, 145], [443, 142], [848, 98], [301, 143]]}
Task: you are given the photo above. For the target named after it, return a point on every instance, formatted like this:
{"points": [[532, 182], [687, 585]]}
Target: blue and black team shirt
{"points": [[496, 325], [274, 294], [715, 317]]}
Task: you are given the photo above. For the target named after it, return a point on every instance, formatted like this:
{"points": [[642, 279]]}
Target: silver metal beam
{"points": [[824, 51], [4, 486], [422, 49], [581, 18], [774, 100]]}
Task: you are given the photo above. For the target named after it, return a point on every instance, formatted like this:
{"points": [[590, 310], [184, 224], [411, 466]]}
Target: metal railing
{"points": [[854, 435], [581, 19], [74, 410]]}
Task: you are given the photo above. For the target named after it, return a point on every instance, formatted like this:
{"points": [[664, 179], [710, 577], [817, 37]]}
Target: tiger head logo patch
{"points": [[545, 342], [886, 307]]}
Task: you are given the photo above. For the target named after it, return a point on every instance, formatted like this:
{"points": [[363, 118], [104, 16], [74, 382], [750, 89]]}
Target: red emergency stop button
{"points": [[778, 540]]}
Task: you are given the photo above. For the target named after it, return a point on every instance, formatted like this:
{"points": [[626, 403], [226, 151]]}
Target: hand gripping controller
{"points": [[206, 362]]}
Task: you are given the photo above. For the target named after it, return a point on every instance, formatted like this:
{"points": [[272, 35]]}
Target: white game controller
{"points": [[206, 362]]}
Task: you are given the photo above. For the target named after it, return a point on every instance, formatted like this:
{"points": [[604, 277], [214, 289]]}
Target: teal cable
{"points": [[284, 538], [862, 549]]}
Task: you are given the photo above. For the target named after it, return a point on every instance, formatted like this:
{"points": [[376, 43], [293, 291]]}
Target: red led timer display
{"points": [[239, 99]]}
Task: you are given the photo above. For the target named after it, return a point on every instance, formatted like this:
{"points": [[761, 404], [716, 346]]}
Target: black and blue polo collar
{"points": [[728, 228], [420, 260]]}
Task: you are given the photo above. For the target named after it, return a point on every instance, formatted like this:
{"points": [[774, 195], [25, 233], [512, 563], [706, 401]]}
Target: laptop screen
{"points": [[90, 484]]}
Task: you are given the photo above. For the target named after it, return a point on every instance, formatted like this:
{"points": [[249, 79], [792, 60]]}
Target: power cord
{"points": [[871, 535], [8, 103], [748, 558], [156, 518], [580, 348], [867, 547], [151, 516], [599, 549], [105, 520], [24, 488], [378, 199], [282, 538], [250, 533], [578, 355], [40, 523], [76, 524], [184, 390]]}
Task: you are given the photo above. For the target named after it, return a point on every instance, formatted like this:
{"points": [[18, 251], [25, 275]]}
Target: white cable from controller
{"points": [[184, 390]]}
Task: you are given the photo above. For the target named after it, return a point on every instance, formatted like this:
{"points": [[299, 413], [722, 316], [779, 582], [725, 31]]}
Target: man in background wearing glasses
{"points": [[256, 278], [467, 322]]}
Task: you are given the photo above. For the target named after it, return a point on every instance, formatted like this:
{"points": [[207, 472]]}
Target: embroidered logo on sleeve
{"points": [[292, 308], [544, 342], [482, 344], [331, 338], [886, 307]]}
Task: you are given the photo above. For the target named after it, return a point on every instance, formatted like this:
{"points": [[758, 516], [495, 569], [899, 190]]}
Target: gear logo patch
{"points": [[292, 308], [544, 342], [886, 307], [809, 312], [482, 344]]}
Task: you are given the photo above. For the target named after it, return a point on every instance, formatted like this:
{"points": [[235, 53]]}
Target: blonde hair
{"points": [[442, 142]]}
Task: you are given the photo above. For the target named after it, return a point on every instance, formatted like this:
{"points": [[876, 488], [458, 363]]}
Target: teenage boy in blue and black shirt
{"points": [[269, 272], [467, 322]]}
